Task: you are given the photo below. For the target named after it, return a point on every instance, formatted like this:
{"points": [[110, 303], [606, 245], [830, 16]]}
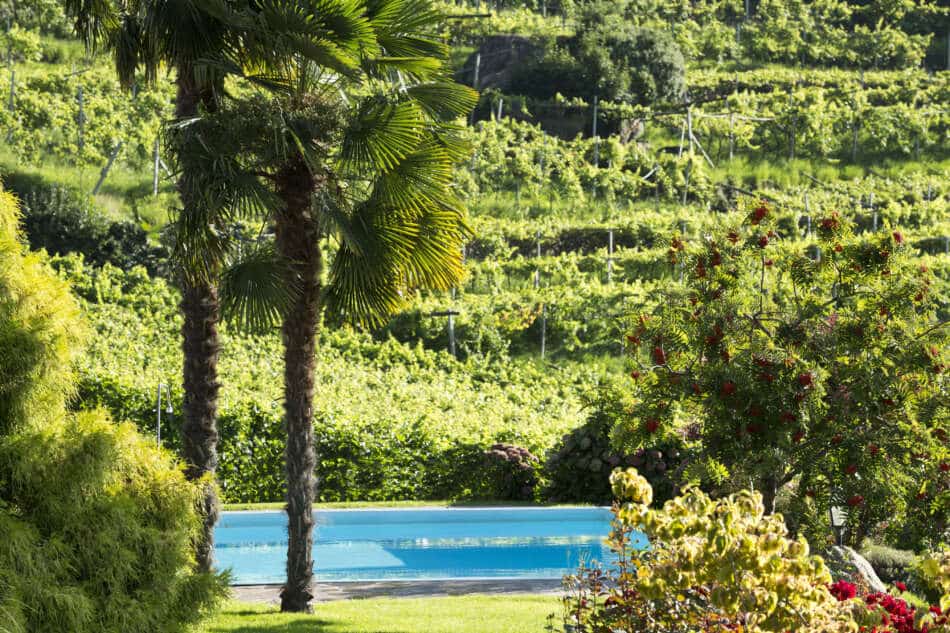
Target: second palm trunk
{"points": [[298, 242]]}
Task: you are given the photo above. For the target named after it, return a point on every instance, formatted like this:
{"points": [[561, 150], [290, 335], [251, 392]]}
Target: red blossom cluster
{"points": [[896, 615], [843, 590]]}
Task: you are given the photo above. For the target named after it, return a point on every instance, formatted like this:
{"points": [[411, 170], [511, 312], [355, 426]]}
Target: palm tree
{"points": [[374, 173], [144, 36], [199, 40]]}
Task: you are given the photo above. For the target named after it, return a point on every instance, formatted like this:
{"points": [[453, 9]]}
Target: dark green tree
{"points": [[826, 371]]}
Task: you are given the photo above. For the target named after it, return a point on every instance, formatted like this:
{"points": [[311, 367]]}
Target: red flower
{"points": [[728, 388], [716, 259], [830, 224], [898, 237], [768, 262], [652, 425], [945, 467], [855, 500], [659, 356], [805, 380], [900, 586], [696, 388], [798, 436], [837, 439], [874, 449], [763, 241], [787, 416], [851, 469], [759, 213], [838, 248], [843, 590], [635, 374], [733, 237], [767, 377]]}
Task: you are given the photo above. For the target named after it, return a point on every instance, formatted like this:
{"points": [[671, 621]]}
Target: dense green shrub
{"points": [[611, 60], [98, 530], [891, 564], [577, 466], [96, 523], [641, 66]]}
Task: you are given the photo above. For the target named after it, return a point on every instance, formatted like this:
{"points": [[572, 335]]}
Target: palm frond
{"points": [[255, 292], [330, 33], [418, 68], [444, 100], [399, 252], [418, 181], [381, 134], [93, 20]]}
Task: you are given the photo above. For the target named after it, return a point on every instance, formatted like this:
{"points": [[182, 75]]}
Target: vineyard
{"points": [[660, 289], [573, 200]]}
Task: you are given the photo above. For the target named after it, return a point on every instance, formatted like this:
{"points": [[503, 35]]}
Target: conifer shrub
{"points": [[96, 522]]}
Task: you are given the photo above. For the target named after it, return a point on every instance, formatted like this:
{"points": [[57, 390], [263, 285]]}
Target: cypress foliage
{"points": [[96, 523]]}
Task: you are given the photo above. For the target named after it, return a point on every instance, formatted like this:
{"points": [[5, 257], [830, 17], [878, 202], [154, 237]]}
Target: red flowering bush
{"points": [[887, 613], [825, 371]]}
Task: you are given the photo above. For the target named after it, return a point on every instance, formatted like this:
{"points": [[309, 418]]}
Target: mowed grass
{"points": [[456, 614]]}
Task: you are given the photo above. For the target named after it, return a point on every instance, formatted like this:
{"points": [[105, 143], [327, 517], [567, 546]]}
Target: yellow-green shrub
{"points": [[96, 522], [39, 330], [711, 565]]}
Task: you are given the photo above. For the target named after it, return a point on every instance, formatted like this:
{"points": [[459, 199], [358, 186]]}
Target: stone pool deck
{"points": [[326, 591]]}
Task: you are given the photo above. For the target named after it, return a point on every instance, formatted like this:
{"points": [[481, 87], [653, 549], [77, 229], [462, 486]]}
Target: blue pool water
{"points": [[418, 544]]}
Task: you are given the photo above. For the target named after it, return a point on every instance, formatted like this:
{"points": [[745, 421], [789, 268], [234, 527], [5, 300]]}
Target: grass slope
{"points": [[457, 614]]}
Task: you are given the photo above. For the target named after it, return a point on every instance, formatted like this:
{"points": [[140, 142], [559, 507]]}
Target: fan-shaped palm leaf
{"points": [[255, 294], [381, 134]]}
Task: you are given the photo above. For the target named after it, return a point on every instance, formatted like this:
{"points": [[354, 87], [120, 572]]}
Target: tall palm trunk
{"points": [[200, 310], [297, 234]]}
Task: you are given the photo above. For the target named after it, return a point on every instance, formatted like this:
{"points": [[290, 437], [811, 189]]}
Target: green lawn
{"points": [[458, 614]]}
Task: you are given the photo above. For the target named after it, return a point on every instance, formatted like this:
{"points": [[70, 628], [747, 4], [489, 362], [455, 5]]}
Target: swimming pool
{"points": [[418, 544]]}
